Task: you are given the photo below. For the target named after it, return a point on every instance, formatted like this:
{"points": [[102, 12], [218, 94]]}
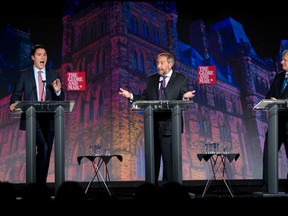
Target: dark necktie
{"points": [[162, 88], [41, 87], [284, 83]]}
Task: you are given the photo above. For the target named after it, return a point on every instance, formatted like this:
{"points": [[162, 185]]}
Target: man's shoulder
{"points": [[153, 76], [26, 70], [178, 75], [51, 71]]}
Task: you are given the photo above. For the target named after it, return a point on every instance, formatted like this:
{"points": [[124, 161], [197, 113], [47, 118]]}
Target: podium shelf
{"points": [[44, 106], [161, 104], [266, 104]]}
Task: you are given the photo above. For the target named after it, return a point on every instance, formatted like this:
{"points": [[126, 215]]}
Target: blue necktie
{"points": [[284, 83]]}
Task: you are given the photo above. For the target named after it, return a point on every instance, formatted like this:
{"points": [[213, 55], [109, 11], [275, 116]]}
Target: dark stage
{"points": [[217, 195]]}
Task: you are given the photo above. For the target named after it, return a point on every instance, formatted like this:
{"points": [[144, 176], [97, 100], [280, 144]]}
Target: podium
{"points": [[174, 106], [58, 108], [273, 106]]}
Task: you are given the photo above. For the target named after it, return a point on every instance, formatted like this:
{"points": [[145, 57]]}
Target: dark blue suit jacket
{"points": [[25, 89]]}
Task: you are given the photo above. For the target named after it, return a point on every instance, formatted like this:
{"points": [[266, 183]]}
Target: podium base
{"points": [[266, 194]]}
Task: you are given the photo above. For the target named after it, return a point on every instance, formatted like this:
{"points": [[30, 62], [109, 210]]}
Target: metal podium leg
{"points": [[59, 147], [176, 145], [30, 145], [149, 145], [273, 150]]}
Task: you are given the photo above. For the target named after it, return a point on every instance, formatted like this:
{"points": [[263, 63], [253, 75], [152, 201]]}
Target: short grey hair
{"points": [[170, 57], [284, 52]]}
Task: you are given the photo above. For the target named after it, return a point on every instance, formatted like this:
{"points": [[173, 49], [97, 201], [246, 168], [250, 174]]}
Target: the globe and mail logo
{"points": [[76, 81], [207, 75]]}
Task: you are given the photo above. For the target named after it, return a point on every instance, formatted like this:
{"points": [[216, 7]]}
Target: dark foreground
{"points": [[126, 198]]}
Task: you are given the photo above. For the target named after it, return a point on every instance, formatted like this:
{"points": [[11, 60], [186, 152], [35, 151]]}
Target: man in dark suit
{"points": [[36, 84], [166, 84], [278, 90]]}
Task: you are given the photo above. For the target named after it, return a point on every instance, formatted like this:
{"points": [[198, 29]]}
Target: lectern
{"points": [[58, 108], [273, 106], [175, 106]]}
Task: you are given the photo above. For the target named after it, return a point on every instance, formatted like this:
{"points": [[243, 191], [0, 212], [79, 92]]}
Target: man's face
{"points": [[40, 58], [163, 66]]}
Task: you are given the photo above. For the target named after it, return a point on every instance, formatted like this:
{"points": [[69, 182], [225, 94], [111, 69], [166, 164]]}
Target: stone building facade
{"points": [[115, 44]]}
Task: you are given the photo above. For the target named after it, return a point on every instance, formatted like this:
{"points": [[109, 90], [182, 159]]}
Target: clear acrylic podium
{"points": [[175, 106], [273, 106], [31, 108]]}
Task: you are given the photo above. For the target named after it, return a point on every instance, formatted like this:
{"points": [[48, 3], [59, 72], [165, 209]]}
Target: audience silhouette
{"points": [[70, 191], [171, 191], [36, 192], [146, 192], [7, 191]]}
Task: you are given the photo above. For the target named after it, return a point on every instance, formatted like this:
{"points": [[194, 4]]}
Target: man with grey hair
{"points": [[278, 90]]}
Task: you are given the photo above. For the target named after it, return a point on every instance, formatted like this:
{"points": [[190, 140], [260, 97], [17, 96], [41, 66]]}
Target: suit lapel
{"points": [[170, 83], [284, 92], [155, 93], [33, 86]]}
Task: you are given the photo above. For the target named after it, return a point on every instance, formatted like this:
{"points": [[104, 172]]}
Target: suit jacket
{"points": [[275, 88], [25, 88], [275, 91], [175, 89]]}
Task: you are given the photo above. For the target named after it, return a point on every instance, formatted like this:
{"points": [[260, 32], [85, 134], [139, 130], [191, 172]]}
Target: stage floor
{"points": [[217, 200], [125, 190]]}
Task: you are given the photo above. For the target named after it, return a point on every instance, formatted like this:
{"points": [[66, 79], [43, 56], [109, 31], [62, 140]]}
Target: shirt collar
{"points": [[36, 70]]}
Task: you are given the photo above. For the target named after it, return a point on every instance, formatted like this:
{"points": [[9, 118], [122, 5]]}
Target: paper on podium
{"points": [[161, 104]]}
